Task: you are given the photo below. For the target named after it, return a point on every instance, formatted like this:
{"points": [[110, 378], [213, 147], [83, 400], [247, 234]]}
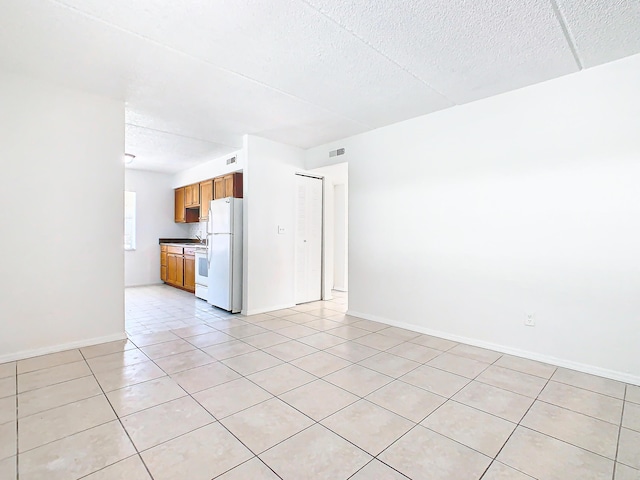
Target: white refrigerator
{"points": [[224, 240]]}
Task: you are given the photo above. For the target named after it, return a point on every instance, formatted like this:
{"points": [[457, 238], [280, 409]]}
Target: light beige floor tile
{"points": [[117, 360], [425, 454], [7, 387], [254, 469], [199, 455], [348, 332], [631, 417], [8, 468], [516, 382], [434, 342], [500, 471], [415, 352], [600, 385], [463, 366], [92, 450], [502, 403], [624, 472], [225, 350], [297, 331], [358, 380], [481, 431], [48, 361], [206, 376], [436, 381], [267, 339], [301, 317], [475, 353], [407, 400], [276, 323], [322, 340], [390, 365], [322, 324], [583, 401], [401, 333], [589, 433], [134, 398], [51, 376], [7, 409], [252, 362], [376, 470], [281, 379], [107, 348], [152, 338], [208, 339], [192, 331], [369, 426], [629, 448], [122, 377], [379, 342], [262, 426], [8, 440], [317, 453], [544, 457], [290, 351], [177, 417], [370, 325], [242, 331], [7, 369], [231, 397], [319, 399], [526, 366], [633, 393], [321, 363], [173, 347], [57, 395], [184, 361], [354, 352], [130, 468], [60, 422]]}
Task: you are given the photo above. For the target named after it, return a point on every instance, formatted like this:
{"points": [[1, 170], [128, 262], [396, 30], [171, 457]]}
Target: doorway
{"points": [[308, 238]]}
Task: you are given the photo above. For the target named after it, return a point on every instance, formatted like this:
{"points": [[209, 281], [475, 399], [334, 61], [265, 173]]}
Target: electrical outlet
{"points": [[280, 230], [530, 319]]}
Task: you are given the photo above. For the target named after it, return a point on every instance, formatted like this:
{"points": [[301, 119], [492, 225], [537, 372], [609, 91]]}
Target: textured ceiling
{"points": [[197, 75]]}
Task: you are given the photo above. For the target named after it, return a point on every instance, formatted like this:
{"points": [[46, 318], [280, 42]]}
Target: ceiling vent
{"points": [[231, 160], [336, 153]]}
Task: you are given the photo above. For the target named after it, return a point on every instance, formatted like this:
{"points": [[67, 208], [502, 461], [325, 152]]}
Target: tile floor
{"points": [[304, 393]]}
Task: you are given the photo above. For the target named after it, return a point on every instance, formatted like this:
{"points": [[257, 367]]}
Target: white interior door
{"points": [[308, 239]]}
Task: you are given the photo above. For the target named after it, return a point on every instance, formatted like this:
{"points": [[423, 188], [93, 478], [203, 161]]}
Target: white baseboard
{"points": [[10, 357], [340, 289], [559, 362], [257, 311]]}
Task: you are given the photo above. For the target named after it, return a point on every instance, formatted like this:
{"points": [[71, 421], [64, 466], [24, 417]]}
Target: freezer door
{"points": [[220, 271], [221, 215]]}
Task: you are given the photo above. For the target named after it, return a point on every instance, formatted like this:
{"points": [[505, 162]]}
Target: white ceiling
{"points": [[198, 74]]}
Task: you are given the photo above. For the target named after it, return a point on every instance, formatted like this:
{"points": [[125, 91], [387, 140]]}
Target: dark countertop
{"points": [[182, 241]]}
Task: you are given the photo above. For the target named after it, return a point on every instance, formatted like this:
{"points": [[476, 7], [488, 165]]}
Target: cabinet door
{"points": [[163, 273], [180, 214], [190, 272], [218, 188], [180, 271], [206, 195], [195, 194], [228, 185], [172, 268]]}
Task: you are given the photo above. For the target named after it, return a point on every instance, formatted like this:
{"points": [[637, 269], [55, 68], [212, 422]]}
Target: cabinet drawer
{"points": [[163, 259], [175, 250], [189, 251]]}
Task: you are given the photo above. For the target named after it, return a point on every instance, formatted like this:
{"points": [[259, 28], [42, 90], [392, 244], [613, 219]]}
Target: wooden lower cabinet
{"points": [[178, 269]]}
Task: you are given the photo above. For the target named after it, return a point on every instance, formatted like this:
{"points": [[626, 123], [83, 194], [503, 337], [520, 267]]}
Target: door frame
{"points": [[322, 243]]}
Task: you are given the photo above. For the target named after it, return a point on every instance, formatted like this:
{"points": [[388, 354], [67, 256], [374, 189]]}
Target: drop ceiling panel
{"points": [[603, 30], [464, 49], [286, 45], [167, 152]]}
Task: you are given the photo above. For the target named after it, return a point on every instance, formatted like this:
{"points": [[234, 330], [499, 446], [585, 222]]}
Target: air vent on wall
{"points": [[335, 153], [231, 160]]}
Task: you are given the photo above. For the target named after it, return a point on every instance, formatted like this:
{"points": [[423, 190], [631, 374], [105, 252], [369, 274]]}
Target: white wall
{"points": [[154, 220], [209, 169], [62, 218], [269, 177], [462, 221]]}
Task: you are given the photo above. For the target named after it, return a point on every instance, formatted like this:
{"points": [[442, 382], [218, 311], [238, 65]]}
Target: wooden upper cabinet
{"points": [[192, 195], [206, 195], [218, 188], [228, 186], [180, 214]]}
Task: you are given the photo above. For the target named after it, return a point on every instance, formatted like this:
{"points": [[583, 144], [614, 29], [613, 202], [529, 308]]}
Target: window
{"points": [[129, 220]]}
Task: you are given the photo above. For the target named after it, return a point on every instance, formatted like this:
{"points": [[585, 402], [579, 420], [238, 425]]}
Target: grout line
{"points": [[615, 462]]}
